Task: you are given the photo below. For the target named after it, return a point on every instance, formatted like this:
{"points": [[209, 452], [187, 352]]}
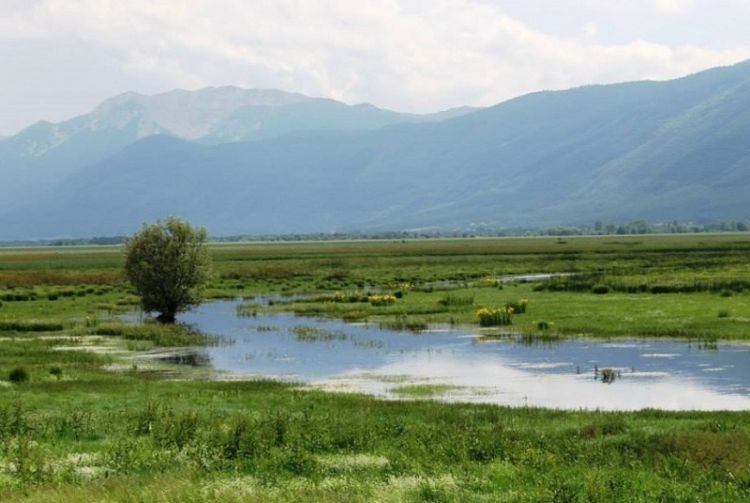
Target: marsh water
{"points": [[619, 374]]}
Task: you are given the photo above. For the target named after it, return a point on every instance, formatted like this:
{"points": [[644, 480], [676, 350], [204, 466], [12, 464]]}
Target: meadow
{"points": [[82, 420]]}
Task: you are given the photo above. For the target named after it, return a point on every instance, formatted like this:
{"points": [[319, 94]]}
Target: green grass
{"points": [[422, 390], [101, 427]]}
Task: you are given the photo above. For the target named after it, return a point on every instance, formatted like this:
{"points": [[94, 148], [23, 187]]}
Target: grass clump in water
{"points": [[311, 334], [160, 335], [497, 317]]}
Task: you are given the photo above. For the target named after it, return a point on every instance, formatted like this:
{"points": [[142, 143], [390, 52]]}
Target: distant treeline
{"points": [[597, 229]]}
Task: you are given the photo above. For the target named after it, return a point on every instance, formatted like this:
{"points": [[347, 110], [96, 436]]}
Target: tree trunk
{"points": [[166, 317]]}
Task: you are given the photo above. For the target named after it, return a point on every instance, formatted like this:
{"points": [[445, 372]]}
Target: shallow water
{"points": [[335, 355]]}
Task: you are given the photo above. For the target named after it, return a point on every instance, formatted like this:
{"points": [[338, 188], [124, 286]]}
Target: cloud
{"points": [[415, 55]]}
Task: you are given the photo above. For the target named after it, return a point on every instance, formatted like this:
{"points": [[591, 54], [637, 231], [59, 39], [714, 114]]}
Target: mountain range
{"points": [[263, 161]]}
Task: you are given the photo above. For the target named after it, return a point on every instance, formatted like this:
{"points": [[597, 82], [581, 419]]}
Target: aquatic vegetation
{"points": [[159, 334], [489, 317], [608, 376], [307, 333], [97, 435], [404, 323]]}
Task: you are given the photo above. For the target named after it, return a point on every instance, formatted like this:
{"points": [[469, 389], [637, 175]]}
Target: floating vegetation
{"points": [[266, 328], [403, 323], [311, 334]]}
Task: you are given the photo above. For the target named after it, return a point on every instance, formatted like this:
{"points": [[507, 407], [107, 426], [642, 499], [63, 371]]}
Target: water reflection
{"points": [[572, 374]]}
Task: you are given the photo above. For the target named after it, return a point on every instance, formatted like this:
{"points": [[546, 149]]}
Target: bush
{"points": [[600, 289], [724, 313], [543, 325], [56, 371], [52, 296], [18, 375]]}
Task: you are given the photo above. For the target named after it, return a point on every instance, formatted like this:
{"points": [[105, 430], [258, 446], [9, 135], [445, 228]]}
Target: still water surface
{"points": [[334, 355]]}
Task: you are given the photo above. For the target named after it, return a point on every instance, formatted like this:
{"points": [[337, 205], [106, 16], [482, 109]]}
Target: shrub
{"points": [[56, 371], [600, 289], [52, 296], [724, 313], [726, 293], [18, 375], [543, 325]]}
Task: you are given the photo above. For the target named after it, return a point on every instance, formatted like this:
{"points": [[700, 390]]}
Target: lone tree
{"points": [[168, 264]]}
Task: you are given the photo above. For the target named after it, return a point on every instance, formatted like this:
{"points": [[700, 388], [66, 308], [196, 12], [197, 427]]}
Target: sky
{"points": [[60, 58]]}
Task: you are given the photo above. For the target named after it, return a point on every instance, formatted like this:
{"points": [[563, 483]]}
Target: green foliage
{"points": [[495, 317], [168, 265], [600, 289], [30, 326], [456, 300], [18, 375], [56, 371], [171, 335]]}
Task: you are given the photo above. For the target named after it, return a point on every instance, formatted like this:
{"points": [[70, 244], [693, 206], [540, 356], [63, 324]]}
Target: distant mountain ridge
{"points": [[44, 153], [655, 151]]}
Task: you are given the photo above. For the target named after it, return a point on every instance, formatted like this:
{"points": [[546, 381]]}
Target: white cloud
{"points": [[418, 55]]}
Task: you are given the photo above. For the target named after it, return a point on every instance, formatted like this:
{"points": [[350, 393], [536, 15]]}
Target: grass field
{"points": [[83, 421]]}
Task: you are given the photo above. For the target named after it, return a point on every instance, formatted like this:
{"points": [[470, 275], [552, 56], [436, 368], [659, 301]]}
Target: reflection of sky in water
{"points": [[651, 373]]}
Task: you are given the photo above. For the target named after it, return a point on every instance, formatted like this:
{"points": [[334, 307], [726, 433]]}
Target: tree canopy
{"points": [[168, 264]]}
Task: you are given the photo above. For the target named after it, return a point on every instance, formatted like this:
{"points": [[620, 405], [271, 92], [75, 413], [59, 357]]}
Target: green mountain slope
{"points": [[644, 150]]}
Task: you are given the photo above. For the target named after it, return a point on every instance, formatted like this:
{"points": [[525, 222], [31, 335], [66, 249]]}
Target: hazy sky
{"points": [[59, 58]]}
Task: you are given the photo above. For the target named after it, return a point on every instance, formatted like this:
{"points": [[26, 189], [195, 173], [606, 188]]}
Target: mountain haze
{"points": [[657, 151], [43, 154]]}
